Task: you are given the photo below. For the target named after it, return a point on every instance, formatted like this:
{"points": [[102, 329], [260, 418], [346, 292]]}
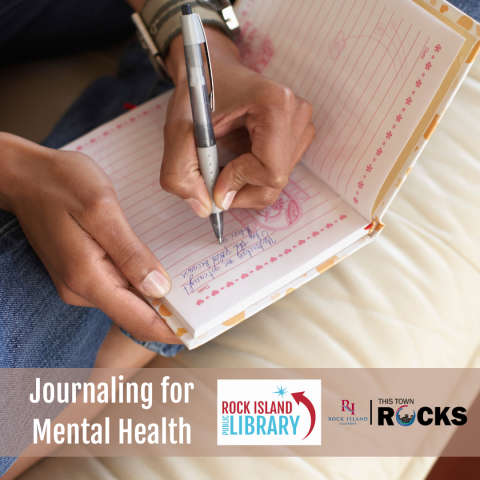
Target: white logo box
{"points": [[254, 412]]}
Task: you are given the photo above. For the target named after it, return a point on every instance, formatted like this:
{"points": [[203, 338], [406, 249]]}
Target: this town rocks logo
{"points": [[407, 419], [268, 412], [423, 415]]}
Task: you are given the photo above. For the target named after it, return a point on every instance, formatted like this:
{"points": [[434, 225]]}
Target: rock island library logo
{"points": [[268, 412]]}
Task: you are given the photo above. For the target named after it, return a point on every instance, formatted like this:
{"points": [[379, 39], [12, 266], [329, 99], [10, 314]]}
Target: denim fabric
{"points": [[470, 7], [37, 329]]}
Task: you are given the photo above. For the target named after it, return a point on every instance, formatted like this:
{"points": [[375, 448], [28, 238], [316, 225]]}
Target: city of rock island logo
{"points": [[346, 406], [347, 415], [267, 412], [405, 420]]}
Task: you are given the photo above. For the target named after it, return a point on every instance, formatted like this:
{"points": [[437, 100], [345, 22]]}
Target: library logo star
{"points": [[281, 391]]}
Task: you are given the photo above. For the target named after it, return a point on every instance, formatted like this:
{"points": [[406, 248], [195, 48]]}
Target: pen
{"points": [[203, 104]]}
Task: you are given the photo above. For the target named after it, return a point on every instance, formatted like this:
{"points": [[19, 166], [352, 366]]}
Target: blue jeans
{"points": [[36, 328]]}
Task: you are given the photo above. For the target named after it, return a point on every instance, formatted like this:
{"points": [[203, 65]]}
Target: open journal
{"points": [[379, 74]]}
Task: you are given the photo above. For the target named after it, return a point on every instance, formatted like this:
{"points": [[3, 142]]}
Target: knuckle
{"points": [[169, 183], [267, 197], [237, 176], [130, 257], [311, 131], [277, 180], [101, 200], [305, 108], [284, 96]]}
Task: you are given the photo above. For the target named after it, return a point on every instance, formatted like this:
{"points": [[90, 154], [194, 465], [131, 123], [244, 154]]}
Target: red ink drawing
{"points": [[244, 276], [285, 212], [364, 176], [199, 302], [337, 45], [408, 101], [329, 225], [314, 234], [389, 135], [383, 143], [399, 118], [403, 109], [369, 168], [418, 83], [379, 152], [433, 57], [215, 292], [343, 217], [273, 259], [438, 48], [379, 29], [256, 49], [423, 74], [355, 200], [428, 66], [229, 284], [360, 185], [287, 251], [413, 92], [258, 267], [301, 242]]}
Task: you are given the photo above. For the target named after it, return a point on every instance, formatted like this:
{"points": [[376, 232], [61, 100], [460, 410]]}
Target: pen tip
{"points": [[220, 240]]}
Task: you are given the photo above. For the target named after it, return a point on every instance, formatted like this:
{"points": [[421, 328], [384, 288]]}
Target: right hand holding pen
{"points": [[278, 124]]}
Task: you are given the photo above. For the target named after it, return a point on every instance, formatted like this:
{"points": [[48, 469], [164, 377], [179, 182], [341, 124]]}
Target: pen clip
{"points": [[212, 94]]}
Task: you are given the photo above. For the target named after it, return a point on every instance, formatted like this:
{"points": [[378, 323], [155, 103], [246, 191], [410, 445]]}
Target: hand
{"points": [[277, 121], [69, 212]]}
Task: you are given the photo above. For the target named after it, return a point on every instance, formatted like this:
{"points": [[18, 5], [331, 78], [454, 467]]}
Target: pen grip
{"points": [[208, 162]]}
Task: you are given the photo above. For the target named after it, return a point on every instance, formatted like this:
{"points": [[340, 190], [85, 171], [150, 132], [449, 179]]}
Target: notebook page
{"points": [[370, 68], [262, 251]]}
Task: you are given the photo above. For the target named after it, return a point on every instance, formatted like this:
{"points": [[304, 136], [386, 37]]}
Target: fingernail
{"points": [[228, 199], [198, 207], [156, 284]]}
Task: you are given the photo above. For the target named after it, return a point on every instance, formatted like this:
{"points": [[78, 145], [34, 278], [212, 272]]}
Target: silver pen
{"points": [[203, 104]]}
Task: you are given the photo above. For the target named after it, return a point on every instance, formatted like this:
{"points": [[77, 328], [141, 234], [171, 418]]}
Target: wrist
{"points": [[223, 52], [16, 168], [9, 145]]}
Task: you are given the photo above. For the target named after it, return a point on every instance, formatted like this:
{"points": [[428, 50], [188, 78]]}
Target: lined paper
{"points": [[370, 68]]}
